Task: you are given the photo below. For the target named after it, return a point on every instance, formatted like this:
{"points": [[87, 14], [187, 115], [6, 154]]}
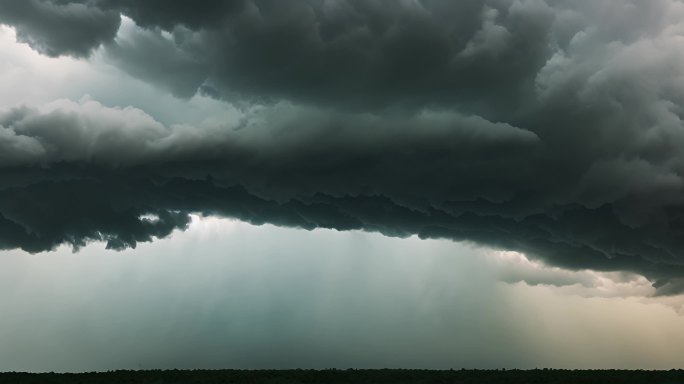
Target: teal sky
{"points": [[225, 294]]}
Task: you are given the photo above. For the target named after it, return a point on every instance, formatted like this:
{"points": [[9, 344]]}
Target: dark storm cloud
{"points": [[481, 55], [363, 54], [547, 127], [168, 14], [78, 172], [59, 29], [357, 54]]}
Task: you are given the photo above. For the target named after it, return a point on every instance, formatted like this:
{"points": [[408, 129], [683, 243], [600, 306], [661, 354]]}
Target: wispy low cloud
{"points": [[513, 268]]}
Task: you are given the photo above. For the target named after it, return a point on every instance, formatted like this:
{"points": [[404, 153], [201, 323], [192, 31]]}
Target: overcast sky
{"points": [[341, 183]]}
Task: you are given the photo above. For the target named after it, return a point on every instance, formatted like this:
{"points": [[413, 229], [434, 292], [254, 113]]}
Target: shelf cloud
{"points": [[543, 127]]}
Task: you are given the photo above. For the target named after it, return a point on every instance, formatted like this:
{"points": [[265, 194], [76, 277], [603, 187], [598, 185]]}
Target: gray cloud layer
{"points": [[546, 127], [56, 29], [357, 54]]}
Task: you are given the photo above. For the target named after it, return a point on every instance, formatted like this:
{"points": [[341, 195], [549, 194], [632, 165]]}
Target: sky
{"points": [[341, 183]]}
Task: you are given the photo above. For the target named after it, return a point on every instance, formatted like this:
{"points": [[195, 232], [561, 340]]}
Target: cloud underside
{"points": [[544, 127]]}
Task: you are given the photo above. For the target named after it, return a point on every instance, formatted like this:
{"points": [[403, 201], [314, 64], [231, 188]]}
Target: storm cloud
{"points": [[353, 54], [544, 127], [56, 29]]}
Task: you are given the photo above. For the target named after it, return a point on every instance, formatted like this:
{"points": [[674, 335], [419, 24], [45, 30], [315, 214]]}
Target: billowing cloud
{"points": [[361, 54], [74, 172], [356, 54], [544, 127], [281, 154], [169, 14], [56, 29]]}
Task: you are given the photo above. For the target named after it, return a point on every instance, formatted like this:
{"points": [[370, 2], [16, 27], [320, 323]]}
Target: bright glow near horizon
{"points": [[218, 295]]}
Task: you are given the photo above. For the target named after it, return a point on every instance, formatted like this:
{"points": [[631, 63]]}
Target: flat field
{"points": [[350, 376]]}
